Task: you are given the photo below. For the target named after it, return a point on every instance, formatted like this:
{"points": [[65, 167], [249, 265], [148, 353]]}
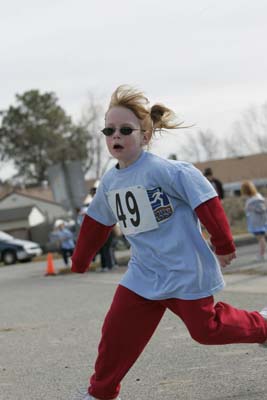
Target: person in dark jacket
{"points": [[215, 182]]}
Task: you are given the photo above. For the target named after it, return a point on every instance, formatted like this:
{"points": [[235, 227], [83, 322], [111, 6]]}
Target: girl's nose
{"points": [[116, 133]]}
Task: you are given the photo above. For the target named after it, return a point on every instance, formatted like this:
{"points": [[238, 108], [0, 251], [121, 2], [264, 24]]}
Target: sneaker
{"points": [[263, 313], [84, 395]]}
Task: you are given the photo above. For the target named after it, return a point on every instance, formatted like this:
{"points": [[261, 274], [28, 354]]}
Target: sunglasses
{"points": [[124, 130]]}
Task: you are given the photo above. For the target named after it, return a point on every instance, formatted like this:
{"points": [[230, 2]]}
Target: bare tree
{"points": [[200, 145], [249, 133], [92, 118], [249, 136]]}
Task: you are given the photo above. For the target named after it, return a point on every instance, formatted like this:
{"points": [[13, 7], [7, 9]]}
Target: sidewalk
{"points": [[247, 283], [244, 239]]}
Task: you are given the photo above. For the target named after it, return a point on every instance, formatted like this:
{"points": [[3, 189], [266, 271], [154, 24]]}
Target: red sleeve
{"points": [[91, 238], [211, 214]]}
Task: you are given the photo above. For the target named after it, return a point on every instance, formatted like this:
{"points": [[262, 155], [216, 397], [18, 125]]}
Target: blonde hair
{"points": [[248, 188], [152, 119]]}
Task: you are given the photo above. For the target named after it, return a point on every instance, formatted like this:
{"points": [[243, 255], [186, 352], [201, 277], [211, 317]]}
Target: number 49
{"points": [[132, 208]]}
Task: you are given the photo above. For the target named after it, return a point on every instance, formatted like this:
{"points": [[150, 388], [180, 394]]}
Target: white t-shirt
{"points": [[154, 200]]}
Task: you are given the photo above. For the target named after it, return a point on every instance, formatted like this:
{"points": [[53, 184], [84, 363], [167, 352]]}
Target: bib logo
{"points": [[160, 204]]}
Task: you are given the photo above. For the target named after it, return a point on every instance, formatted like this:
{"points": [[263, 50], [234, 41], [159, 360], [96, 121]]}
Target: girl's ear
{"points": [[145, 138]]}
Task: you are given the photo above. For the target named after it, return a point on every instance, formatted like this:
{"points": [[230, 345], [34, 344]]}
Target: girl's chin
{"points": [[116, 153]]}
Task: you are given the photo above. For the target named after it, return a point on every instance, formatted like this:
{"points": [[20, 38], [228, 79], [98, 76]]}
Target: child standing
{"points": [[159, 204], [65, 239], [256, 213]]}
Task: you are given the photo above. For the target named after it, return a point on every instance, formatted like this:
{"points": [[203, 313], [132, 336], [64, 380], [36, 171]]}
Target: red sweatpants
{"points": [[132, 320]]}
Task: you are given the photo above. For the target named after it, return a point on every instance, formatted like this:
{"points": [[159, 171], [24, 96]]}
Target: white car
{"points": [[13, 250]]}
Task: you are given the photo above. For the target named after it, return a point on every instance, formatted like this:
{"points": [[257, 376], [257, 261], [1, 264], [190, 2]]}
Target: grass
{"points": [[234, 209]]}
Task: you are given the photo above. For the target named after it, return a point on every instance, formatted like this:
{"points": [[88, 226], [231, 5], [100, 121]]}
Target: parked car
{"points": [[13, 250]]}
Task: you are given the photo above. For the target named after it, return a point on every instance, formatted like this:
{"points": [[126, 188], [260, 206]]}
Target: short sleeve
{"points": [[99, 208], [192, 186]]}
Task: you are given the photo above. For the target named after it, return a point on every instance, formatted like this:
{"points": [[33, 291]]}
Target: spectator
{"points": [[65, 239], [107, 254], [80, 215], [216, 183], [255, 209]]}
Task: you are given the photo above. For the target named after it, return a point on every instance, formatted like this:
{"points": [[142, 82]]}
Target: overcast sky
{"points": [[206, 59]]}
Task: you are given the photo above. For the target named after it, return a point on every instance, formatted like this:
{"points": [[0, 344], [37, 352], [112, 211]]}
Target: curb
{"points": [[243, 240]]}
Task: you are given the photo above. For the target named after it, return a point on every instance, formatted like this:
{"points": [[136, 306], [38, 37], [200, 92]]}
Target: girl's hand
{"points": [[226, 259]]}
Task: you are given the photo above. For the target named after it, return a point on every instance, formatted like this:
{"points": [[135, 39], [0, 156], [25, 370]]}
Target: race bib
{"points": [[133, 210]]}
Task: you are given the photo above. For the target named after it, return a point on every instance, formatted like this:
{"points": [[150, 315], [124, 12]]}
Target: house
{"points": [[49, 208], [18, 221], [233, 171], [20, 212]]}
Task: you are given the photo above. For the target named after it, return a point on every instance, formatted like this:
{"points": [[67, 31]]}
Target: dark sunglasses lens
{"points": [[126, 130], [108, 131]]}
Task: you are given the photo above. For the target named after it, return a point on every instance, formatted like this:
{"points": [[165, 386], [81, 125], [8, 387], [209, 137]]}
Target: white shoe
{"points": [[260, 258], [263, 313], [87, 396]]}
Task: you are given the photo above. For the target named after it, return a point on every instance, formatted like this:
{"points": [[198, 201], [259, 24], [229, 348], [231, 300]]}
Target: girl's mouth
{"points": [[117, 147]]}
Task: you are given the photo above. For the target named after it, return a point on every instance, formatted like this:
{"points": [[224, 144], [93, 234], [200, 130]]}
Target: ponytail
{"points": [[164, 118]]}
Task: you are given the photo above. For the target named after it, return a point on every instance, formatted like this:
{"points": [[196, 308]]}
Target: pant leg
{"points": [[220, 323], [66, 253], [65, 256], [106, 255], [128, 326]]}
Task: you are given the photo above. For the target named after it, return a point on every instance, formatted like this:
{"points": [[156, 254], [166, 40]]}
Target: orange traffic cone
{"points": [[50, 269]]}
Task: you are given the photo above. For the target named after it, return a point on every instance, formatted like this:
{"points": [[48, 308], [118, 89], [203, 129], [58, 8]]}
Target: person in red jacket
{"points": [[159, 204]]}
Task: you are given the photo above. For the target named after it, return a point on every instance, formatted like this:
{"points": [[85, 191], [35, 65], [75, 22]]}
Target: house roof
{"points": [[26, 193], [237, 169], [43, 193], [37, 193], [15, 214]]}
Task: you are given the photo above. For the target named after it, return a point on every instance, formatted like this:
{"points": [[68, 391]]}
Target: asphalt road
{"points": [[50, 327]]}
